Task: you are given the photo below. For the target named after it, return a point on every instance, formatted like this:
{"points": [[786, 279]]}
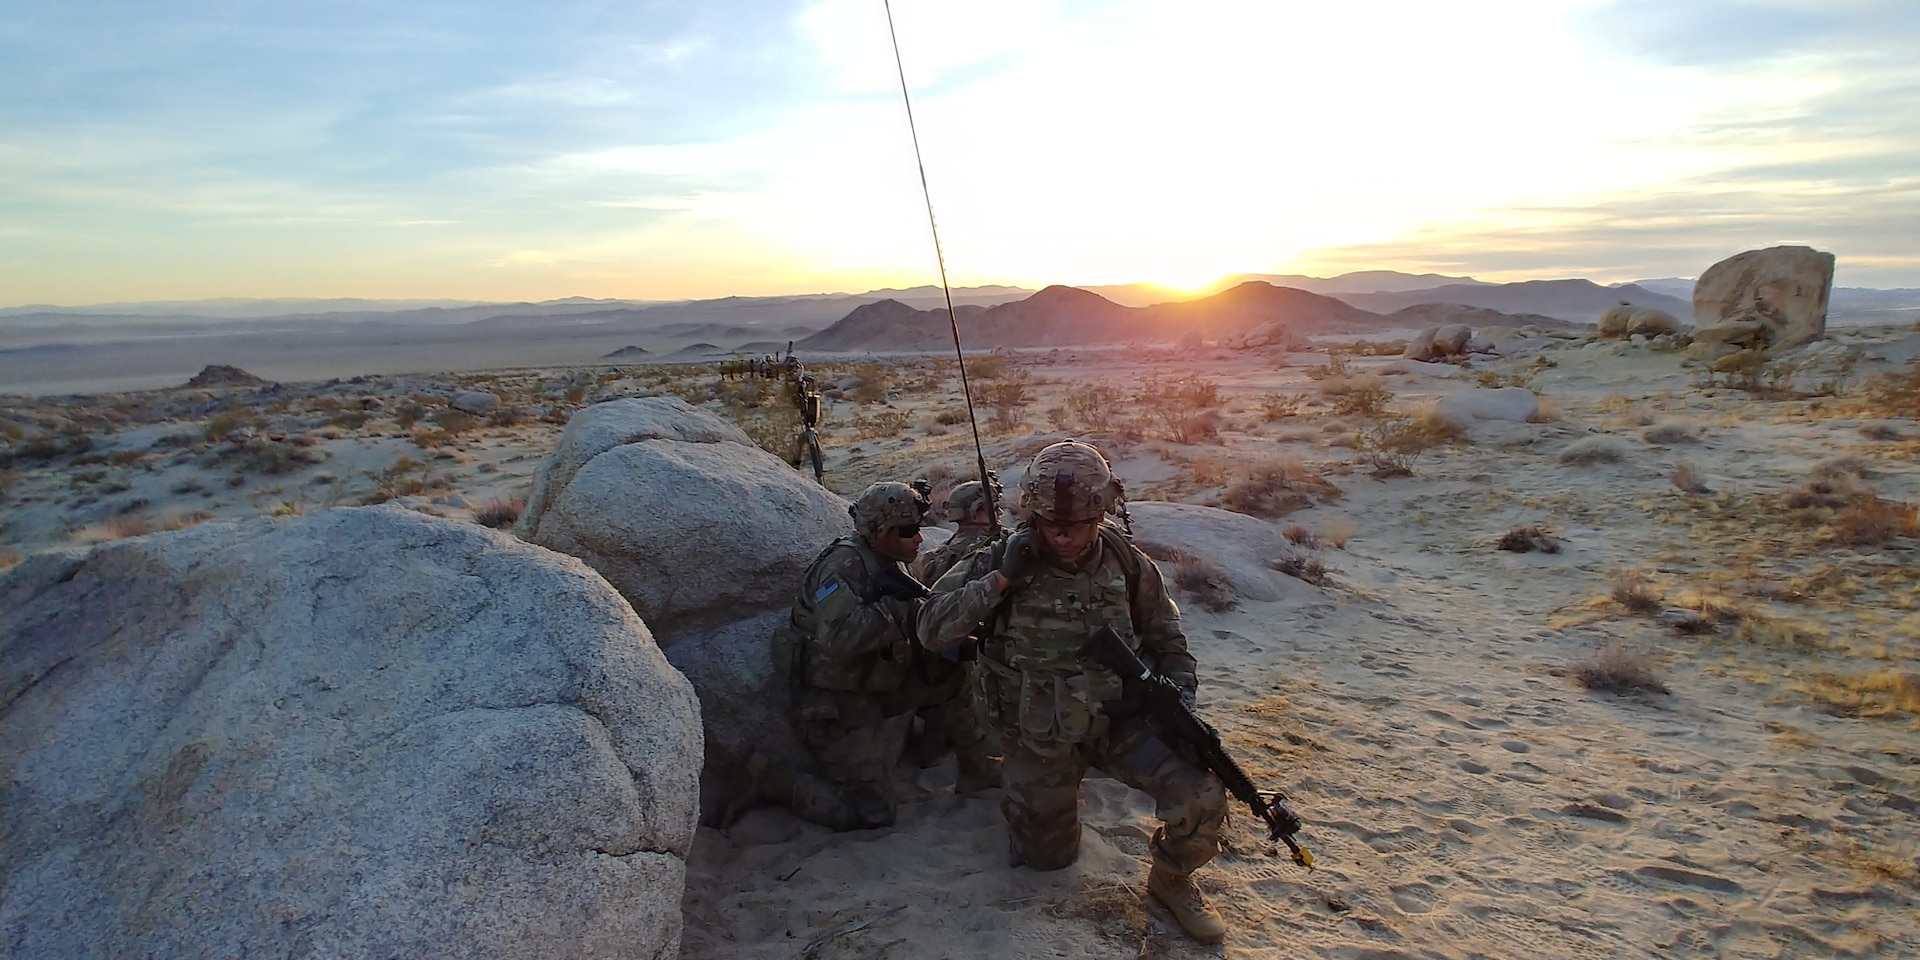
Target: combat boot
{"points": [[760, 779], [1188, 905], [974, 769]]}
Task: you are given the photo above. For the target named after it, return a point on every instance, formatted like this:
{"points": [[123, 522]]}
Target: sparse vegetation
{"points": [[1276, 489], [1203, 583], [1631, 590], [500, 512], [1528, 538], [1618, 668], [1686, 479], [1301, 566]]}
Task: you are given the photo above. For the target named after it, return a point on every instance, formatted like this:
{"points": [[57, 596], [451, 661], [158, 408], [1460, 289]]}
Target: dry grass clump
{"points": [[1302, 535], [1846, 466], [1667, 433], [1868, 520], [1365, 395], [1393, 446], [1895, 394], [1686, 479], [1590, 450], [1202, 582], [1881, 430], [500, 512], [1630, 590], [1618, 668], [1879, 693], [1279, 406], [1528, 538], [1276, 490], [1301, 566], [1336, 532], [1181, 409]]}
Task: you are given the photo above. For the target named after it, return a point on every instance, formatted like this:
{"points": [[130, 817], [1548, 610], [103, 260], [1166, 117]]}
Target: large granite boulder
{"points": [[612, 423], [1435, 343], [1783, 288], [707, 536], [1242, 547], [1625, 320], [692, 534], [359, 733]]}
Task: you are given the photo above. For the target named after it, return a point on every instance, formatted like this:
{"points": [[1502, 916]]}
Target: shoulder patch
{"points": [[834, 600]]}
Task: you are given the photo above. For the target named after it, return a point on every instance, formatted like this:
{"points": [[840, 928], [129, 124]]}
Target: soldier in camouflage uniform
{"points": [[848, 654], [967, 507], [1034, 600], [942, 690]]}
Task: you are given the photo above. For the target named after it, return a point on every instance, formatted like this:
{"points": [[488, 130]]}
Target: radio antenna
{"points": [[953, 321]]}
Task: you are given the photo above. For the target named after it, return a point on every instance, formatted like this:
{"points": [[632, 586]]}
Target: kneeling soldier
{"points": [[1034, 600]]}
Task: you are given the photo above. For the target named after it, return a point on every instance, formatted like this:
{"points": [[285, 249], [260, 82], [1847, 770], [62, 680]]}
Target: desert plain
{"points": [[1628, 672]]}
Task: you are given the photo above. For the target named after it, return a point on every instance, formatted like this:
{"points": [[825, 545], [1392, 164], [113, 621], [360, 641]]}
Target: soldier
{"points": [[846, 651], [966, 507], [1034, 600]]}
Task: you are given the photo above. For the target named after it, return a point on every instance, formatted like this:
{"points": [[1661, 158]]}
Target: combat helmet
{"points": [[1069, 482], [885, 505], [964, 500]]}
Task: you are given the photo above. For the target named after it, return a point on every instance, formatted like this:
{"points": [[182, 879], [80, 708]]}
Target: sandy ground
{"points": [[1466, 793]]}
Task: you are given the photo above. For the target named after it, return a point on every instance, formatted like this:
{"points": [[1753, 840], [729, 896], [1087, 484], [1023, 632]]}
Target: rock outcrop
{"points": [[1438, 343], [221, 375], [363, 732], [1625, 320], [1242, 547], [1513, 404], [1784, 289], [706, 535]]}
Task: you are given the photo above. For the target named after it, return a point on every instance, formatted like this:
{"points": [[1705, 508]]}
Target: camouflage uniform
{"points": [[1046, 703], [945, 697], [856, 655], [847, 650]]}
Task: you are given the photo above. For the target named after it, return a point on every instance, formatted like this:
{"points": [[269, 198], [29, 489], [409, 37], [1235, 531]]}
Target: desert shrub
{"points": [[1528, 538], [1894, 394], [1631, 591], [500, 512], [950, 417], [1092, 407], [1279, 406], [1276, 489], [1667, 433], [404, 477], [1181, 409], [1007, 397], [222, 426], [1875, 693], [408, 414], [1393, 446], [1686, 479], [1361, 396], [272, 457], [1334, 369], [1868, 520], [772, 427], [1598, 449], [992, 366], [1494, 379], [507, 416], [883, 423], [1301, 534], [1301, 566], [1204, 583], [1846, 467], [455, 422], [1618, 668], [1208, 471], [870, 382]]}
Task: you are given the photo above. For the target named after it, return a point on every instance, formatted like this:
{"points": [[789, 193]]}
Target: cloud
{"points": [[1718, 32]]}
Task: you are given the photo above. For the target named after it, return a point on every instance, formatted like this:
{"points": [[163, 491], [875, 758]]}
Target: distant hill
{"points": [[1577, 301], [1059, 316], [1364, 281]]}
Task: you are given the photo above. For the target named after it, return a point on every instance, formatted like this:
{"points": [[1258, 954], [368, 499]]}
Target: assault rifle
{"points": [[1160, 699]]}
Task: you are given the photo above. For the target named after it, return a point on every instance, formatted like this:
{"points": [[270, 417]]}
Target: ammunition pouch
{"points": [[1044, 707]]}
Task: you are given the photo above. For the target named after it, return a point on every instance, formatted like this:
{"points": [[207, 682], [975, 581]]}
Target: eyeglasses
{"points": [[1051, 527], [909, 531]]}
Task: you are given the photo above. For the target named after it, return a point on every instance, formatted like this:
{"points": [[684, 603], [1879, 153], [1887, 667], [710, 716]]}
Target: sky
{"points": [[508, 150]]}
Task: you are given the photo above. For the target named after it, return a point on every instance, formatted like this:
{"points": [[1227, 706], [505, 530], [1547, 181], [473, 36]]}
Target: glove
{"points": [[1021, 558]]}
